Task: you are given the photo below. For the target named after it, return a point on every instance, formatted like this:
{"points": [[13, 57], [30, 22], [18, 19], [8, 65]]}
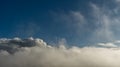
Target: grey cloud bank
{"points": [[39, 54]]}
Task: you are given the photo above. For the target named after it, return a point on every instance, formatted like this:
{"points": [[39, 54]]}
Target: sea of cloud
{"points": [[32, 52], [37, 53]]}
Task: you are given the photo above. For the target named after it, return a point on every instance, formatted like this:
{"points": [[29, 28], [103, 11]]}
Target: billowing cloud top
{"points": [[36, 53], [11, 45]]}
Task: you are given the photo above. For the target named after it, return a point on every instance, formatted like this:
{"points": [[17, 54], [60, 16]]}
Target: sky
{"points": [[59, 33], [75, 21]]}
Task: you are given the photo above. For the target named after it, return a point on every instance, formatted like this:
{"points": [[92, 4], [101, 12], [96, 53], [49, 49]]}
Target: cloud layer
{"points": [[36, 53]]}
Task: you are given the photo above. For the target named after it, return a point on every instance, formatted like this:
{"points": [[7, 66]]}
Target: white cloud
{"points": [[117, 0], [100, 24], [118, 41], [105, 23], [50, 56], [37, 53], [107, 44]]}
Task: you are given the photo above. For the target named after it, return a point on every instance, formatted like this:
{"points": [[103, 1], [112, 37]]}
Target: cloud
{"points": [[117, 0], [106, 19], [43, 55], [37, 53], [12, 45], [107, 44], [103, 22], [100, 24]]}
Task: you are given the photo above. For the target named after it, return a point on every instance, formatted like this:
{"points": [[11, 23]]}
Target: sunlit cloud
{"points": [[43, 55]]}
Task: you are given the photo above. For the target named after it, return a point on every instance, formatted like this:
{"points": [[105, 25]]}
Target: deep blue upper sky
{"points": [[43, 19]]}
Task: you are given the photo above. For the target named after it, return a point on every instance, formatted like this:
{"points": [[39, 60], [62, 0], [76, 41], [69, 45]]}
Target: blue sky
{"points": [[76, 21]]}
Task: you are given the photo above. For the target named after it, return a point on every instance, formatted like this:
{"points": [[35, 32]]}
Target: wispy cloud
{"points": [[101, 25], [37, 53], [103, 22]]}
